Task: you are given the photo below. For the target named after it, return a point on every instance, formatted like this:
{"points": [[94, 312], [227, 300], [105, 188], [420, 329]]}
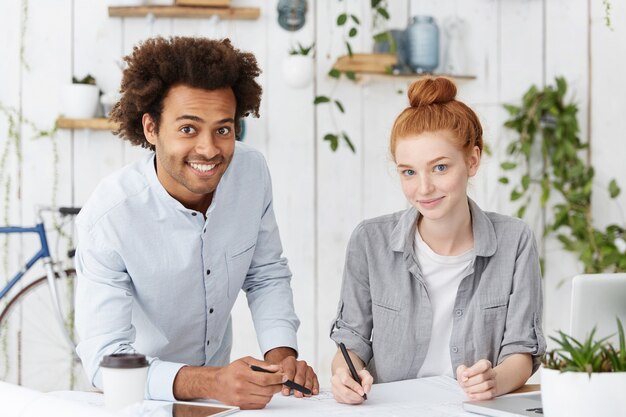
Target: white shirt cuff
{"points": [[160, 384]]}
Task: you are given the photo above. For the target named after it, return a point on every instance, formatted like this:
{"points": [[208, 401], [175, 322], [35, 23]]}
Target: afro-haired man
{"points": [[166, 243]]}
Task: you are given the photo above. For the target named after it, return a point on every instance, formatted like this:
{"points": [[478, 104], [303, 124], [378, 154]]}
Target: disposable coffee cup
{"points": [[123, 379]]}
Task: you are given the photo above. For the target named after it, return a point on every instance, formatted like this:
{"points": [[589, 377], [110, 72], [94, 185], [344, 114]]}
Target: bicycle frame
{"points": [[44, 255]]}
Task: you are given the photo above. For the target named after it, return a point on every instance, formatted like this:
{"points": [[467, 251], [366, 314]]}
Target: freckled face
{"points": [[434, 173], [195, 143]]}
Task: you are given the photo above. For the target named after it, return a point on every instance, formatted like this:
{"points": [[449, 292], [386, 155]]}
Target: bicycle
{"points": [[37, 339]]}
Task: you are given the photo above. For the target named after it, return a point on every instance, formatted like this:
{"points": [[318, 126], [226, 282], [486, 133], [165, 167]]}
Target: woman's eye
{"points": [[223, 130], [187, 130], [440, 167], [408, 172]]}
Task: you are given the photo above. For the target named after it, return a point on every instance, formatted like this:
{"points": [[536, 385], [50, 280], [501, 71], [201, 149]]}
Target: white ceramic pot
{"points": [[79, 101], [575, 394], [298, 70]]}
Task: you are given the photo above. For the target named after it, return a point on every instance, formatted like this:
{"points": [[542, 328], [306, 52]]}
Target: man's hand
{"points": [[233, 384], [297, 371], [346, 390], [478, 381]]}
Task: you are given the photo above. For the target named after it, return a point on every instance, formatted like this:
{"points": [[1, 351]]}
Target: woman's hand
{"points": [[478, 381], [346, 390]]}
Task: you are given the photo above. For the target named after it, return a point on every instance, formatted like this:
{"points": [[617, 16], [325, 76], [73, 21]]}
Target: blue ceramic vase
{"points": [[422, 44]]}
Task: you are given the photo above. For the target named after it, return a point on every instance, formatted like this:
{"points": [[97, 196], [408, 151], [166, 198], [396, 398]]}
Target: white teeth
{"points": [[202, 167]]}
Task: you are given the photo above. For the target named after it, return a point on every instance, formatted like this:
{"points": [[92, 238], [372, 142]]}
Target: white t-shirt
{"points": [[442, 275]]}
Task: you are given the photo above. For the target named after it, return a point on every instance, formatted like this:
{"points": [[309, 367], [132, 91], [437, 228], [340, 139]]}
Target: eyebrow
{"points": [[432, 162], [201, 120]]}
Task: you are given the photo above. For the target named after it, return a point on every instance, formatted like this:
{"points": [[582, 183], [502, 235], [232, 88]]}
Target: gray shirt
{"points": [[385, 316]]}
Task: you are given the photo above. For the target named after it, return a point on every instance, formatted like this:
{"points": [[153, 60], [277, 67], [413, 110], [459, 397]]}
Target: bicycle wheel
{"points": [[33, 349]]}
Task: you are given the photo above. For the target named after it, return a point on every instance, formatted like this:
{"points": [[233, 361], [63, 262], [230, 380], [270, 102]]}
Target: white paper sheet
{"points": [[424, 397]]}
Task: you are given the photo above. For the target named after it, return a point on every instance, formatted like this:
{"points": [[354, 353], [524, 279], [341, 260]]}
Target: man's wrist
{"points": [[192, 382], [277, 355]]}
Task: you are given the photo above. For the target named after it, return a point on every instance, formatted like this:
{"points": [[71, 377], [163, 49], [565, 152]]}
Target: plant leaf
{"points": [[353, 32], [321, 99], [508, 165], [334, 73], [351, 75], [333, 141], [614, 189], [355, 19], [339, 106], [341, 19], [348, 141]]}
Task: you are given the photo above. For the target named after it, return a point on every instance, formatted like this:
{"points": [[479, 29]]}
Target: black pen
{"points": [[355, 376], [288, 382]]}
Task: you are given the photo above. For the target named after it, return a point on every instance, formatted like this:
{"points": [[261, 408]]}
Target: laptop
{"points": [[597, 299], [516, 405]]}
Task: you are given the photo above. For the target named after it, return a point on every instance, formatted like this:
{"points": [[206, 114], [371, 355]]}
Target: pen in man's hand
{"points": [[288, 382], [346, 356]]}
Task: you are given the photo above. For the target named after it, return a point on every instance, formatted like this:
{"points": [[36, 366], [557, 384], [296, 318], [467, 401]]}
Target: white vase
{"points": [[575, 394], [298, 70], [79, 101]]}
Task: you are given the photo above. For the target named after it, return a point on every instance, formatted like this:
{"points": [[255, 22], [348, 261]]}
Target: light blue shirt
{"points": [[158, 278]]}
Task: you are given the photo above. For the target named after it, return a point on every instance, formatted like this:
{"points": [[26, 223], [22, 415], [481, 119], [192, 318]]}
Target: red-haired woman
{"points": [[442, 288]]}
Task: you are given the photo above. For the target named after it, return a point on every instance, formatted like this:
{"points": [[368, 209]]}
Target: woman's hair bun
{"points": [[430, 90]]}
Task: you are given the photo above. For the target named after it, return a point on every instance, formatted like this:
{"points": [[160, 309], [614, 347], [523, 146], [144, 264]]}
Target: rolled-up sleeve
{"points": [[268, 284], [523, 332], [104, 303], [353, 324]]}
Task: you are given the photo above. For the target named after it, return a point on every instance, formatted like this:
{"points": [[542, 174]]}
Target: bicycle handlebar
{"points": [[63, 211]]}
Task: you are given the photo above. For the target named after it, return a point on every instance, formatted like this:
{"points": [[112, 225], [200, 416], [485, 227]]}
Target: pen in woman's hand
{"points": [[353, 372]]}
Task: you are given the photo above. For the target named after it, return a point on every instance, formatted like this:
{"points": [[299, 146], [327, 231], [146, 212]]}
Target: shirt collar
{"points": [[485, 243]]}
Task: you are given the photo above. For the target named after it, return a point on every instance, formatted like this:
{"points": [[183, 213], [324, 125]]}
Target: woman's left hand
{"points": [[478, 381]]}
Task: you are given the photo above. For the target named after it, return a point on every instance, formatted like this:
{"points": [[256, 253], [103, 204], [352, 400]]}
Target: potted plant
{"points": [[298, 66], [79, 100], [584, 379]]}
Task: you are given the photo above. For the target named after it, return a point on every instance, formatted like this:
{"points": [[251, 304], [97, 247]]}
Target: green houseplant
{"points": [[547, 136], [584, 378]]}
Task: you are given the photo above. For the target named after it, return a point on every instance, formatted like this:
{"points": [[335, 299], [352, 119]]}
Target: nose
{"points": [[205, 146], [425, 185]]}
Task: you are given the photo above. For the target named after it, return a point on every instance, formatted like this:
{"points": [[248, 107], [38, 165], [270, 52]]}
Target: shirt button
{"points": [[210, 311], [455, 349], [207, 342], [208, 272], [458, 312], [194, 214], [204, 231]]}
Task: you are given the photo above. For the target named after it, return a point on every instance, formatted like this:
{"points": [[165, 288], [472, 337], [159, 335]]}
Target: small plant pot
{"points": [[79, 101], [298, 71], [576, 394], [109, 100]]}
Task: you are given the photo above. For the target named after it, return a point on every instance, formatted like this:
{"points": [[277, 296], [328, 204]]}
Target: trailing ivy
{"points": [[351, 23], [547, 121]]}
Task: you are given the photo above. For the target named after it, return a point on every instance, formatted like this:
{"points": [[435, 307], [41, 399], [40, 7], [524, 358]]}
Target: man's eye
{"points": [[408, 172], [440, 167], [187, 130], [223, 130]]}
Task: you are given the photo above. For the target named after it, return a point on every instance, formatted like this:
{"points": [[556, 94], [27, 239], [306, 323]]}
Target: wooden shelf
{"points": [[243, 13], [95, 124], [378, 65]]}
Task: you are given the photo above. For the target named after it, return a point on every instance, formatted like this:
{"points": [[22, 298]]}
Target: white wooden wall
{"points": [[319, 195]]}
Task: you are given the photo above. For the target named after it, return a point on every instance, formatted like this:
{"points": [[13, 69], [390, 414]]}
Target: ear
{"points": [[149, 129], [473, 161]]}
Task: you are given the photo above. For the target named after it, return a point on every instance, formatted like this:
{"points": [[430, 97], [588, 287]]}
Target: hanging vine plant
{"points": [[545, 120], [351, 24]]}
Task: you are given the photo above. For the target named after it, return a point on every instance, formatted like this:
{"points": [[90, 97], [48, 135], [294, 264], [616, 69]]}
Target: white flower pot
{"points": [[298, 70], [575, 394], [79, 101]]}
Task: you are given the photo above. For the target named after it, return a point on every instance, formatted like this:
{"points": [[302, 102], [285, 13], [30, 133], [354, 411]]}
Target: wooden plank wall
{"points": [[320, 196]]}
